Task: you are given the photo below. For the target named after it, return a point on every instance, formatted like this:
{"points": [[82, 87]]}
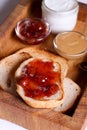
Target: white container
{"points": [[60, 14]]}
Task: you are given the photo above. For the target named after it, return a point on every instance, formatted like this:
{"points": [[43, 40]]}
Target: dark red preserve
{"points": [[32, 31], [38, 79]]}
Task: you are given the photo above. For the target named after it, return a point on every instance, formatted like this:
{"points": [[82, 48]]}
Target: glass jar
{"points": [[70, 45], [60, 14]]}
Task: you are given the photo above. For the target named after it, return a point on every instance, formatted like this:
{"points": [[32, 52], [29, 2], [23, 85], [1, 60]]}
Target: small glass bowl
{"points": [[70, 45], [32, 31]]}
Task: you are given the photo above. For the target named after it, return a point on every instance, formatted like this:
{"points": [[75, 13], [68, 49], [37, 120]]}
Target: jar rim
{"points": [[60, 12], [58, 49]]}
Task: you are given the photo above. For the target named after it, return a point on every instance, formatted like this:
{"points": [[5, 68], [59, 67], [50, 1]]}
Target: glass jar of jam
{"points": [[32, 31]]}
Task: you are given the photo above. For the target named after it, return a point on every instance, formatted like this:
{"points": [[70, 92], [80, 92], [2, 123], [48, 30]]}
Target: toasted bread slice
{"points": [[34, 52], [8, 66], [71, 93], [46, 101]]}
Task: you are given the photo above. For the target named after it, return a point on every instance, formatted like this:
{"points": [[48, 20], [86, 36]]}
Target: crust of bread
{"points": [[36, 53], [71, 92], [46, 101], [36, 103], [8, 67]]}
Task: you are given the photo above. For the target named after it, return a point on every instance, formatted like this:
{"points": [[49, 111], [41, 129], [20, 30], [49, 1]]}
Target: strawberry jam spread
{"points": [[32, 31], [39, 79]]}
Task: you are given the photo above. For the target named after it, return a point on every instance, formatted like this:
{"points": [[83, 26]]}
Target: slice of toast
{"points": [[46, 101], [8, 66]]}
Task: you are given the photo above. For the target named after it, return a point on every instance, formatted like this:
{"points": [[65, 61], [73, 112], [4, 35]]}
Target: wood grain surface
{"points": [[13, 108]]}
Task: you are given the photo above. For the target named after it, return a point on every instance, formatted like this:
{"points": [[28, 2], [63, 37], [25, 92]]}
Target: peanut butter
{"points": [[71, 42]]}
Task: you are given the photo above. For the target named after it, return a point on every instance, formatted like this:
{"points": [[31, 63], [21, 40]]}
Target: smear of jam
{"points": [[38, 79], [33, 29]]}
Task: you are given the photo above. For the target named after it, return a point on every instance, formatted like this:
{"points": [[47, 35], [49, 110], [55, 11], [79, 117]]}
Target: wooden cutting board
{"points": [[13, 108]]}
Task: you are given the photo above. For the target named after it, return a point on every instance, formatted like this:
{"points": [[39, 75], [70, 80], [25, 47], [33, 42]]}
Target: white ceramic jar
{"points": [[60, 14]]}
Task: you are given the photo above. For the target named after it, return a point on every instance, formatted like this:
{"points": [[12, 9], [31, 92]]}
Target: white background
{"points": [[6, 125], [83, 1]]}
